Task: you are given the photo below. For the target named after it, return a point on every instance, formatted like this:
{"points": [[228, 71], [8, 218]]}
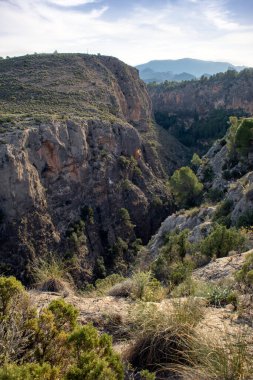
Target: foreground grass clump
{"points": [[49, 344], [163, 336], [169, 341], [216, 358]]}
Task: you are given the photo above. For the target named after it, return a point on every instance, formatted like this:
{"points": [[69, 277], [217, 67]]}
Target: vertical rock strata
{"points": [[64, 179]]}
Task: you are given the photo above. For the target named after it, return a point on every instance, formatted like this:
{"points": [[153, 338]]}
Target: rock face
{"points": [[229, 91], [66, 176], [220, 269], [197, 220], [196, 112]]}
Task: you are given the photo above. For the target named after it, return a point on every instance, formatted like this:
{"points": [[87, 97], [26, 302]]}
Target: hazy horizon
{"points": [[133, 31]]}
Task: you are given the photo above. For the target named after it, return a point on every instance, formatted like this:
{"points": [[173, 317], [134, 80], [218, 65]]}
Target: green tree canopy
{"points": [[244, 136], [185, 187]]}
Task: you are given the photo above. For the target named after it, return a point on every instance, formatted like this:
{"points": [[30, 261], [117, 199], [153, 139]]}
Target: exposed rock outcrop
{"points": [[221, 269], [198, 221], [230, 91], [65, 177]]}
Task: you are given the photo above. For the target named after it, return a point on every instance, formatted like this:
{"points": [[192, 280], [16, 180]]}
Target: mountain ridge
{"points": [[168, 69]]}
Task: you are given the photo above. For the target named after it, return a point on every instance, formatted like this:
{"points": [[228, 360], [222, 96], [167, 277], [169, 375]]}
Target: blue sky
{"points": [[134, 31]]}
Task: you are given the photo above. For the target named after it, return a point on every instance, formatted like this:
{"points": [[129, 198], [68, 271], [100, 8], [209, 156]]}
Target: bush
{"points": [[9, 288], [191, 287], [245, 219], [95, 359], [125, 218], [146, 288], [243, 137], [185, 187], [245, 275], [223, 211], [29, 371], [49, 344], [196, 161], [214, 195], [220, 296], [208, 173], [171, 266], [221, 241]]}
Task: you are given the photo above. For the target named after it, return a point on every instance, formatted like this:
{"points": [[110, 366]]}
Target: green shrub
{"points": [[221, 241], [191, 287], [223, 211], [214, 195], [100, 269], [9, 288], [48, 344], [146, 288], [245, 219], [171, 267], [185, 187], [95, 358], [208, 173], [146, 375], [87, 214], [29, 371], [245, 275], [243, 137], [220, 296], [125, 218], [65, 314], [196, 161]]}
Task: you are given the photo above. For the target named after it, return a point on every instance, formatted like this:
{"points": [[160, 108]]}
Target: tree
{"points": [[196, 160], [185, 187], [244, 137]]}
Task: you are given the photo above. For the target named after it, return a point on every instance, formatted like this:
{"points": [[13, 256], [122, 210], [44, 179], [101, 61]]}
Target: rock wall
{"points": [[66, 177]]}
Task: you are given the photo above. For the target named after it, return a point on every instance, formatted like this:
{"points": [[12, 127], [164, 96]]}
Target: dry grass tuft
{"points": [[50, 275], [164, 337]]}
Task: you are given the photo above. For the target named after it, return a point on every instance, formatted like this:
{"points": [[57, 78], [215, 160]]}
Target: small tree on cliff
{"points": [[185, 187]]}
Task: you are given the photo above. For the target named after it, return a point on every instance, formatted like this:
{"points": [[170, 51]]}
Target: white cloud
{"points": [[188, 28], [72, 3]]}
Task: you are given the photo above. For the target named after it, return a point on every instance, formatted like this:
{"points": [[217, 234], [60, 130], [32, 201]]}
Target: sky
{"points": [[133, 31]]}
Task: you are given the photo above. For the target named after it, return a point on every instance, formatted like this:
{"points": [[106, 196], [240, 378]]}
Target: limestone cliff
{"points": [[196, 111], [76, 152]]}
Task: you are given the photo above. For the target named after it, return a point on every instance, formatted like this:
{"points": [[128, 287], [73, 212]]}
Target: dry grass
{"points": [[50, 275], [226, 357], [164, 338], [122, 289]]}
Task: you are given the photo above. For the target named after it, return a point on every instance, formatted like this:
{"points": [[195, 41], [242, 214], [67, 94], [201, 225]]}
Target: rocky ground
{"points": [[111, 314]]}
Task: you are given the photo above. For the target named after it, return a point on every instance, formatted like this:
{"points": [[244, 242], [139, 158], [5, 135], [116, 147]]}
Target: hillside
{"points": [[196, 112], [79, 170]]}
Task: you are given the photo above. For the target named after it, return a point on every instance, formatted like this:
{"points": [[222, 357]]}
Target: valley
{"points": [[126, 216]]}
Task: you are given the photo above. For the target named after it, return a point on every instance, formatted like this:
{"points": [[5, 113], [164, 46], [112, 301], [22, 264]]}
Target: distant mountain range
{"points": [[182, 69]]}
